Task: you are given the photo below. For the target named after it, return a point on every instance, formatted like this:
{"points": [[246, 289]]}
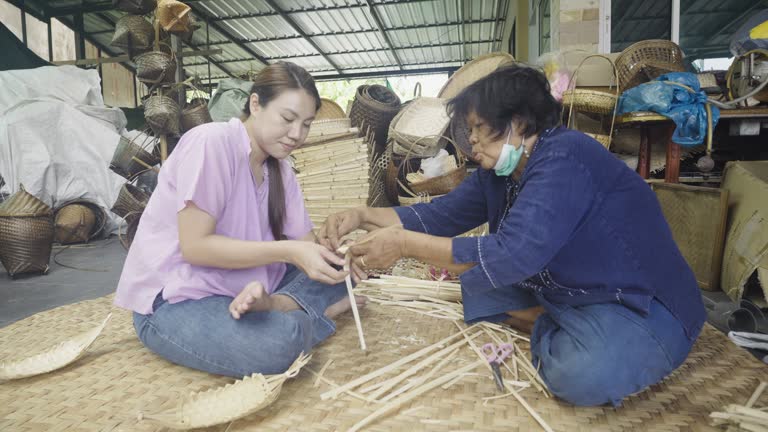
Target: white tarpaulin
{"points": [[57, 136]]}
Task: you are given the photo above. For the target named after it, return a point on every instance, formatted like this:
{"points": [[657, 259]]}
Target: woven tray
{"points": [[478, 68], [329, 110], [118, 377]]}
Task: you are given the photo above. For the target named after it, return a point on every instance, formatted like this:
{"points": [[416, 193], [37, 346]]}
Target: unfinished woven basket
{"points": [[174, 16], [26, 234], [130, 202], [155, 67], [195, 115], [138, 7], [162, 115], [131, 158], [374, 107], [646, 60], [329, 110], [418, 128], [133, 33], [474, 70]]}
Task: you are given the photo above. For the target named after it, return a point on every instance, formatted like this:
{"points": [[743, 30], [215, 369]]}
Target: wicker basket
{"points": [[374, 107], [407, 200], [126, 238], [26, 234], [131, 158], [473, 71], [593, 101], [162, 115], [646, 60], [130, 201], [174, 16], [137, 7], [329, 110], [441, 184], [74, 223], [155, 67], [459, 132], [133, 33], [418, 128], [195, 115]]}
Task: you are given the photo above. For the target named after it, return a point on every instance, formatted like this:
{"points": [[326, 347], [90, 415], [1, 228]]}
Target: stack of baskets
{"points": [[26, 234], [579, 100], [374, 107]]}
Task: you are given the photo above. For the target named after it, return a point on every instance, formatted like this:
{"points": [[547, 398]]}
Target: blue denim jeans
{"points": [[597, 354], [201, 334]]}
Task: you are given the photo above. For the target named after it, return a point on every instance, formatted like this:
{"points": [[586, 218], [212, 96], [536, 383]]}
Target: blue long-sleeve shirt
{"points": [[579, 228]]}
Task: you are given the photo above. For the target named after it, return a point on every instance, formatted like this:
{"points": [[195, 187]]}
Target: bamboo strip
{"points": [[335, 385], [422, 379], [756, 395], [377, 373], [528, 368], [322, 371], [328, 132], [353, 303], [413, 394]]}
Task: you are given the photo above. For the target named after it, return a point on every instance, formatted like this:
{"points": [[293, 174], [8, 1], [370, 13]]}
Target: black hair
{"points": [[511, 92]]}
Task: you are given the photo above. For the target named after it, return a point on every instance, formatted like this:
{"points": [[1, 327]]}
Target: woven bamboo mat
{"points": [[105, 390]]}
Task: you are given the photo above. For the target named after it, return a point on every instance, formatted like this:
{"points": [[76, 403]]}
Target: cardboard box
{"points": [[746, 244], [595, 72]]}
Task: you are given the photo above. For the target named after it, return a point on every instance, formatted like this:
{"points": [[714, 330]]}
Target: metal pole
{"points": [[675, 33]]}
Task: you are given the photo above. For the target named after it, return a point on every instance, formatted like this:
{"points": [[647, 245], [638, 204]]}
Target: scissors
{"points": [[495, 354]]}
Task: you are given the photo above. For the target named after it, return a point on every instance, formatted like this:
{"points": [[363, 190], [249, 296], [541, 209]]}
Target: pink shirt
{"points": [[209, 167]]}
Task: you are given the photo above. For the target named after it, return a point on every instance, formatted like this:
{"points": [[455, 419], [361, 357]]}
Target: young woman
{"points": [[224, 274], [578, 254]]}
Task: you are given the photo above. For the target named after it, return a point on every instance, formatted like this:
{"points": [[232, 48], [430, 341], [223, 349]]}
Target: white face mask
{"points": [[509, 157]]}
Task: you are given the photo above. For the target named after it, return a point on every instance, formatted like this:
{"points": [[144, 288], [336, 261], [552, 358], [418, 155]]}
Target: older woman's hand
{"points": [[379, 249], [336, 226]]}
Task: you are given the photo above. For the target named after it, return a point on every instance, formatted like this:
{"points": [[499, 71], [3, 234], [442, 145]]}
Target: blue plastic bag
{"points": [[684, 106]]}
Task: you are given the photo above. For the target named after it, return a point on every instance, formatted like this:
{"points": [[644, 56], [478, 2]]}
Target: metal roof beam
{"points": [[89, 8], [383, 33], [299, 30], [394, 72], [216, 26], [435, 45], [318, 9], [351, 32]]}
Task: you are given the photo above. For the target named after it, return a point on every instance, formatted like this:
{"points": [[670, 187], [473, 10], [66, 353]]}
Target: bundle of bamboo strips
{"points": [[745, 417], [417, 373], [333, 168]]}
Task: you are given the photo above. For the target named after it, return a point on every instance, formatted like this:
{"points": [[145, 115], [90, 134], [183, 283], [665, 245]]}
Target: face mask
{"points": [[509, 157]]}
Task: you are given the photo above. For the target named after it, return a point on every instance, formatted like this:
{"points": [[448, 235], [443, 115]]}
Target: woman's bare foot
{"points": [[343, 305], [255, 298]]}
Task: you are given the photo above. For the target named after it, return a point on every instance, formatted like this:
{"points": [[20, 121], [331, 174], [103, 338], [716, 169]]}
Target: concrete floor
{"points": [[99, 264], [28, 295]]}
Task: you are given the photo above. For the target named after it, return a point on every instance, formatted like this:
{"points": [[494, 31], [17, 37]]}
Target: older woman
{"points": [[578, 254]]}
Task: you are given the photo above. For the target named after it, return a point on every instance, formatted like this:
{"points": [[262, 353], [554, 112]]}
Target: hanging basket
{"points": [[131, 158], [174, 16], [137, 7], [646, 60], [195, 115], [26, 234], [155, 67], [418, 128], [133, 34], [162, 115], [131, 201], [126, 238], [474, 70], [374, 107], [329, 110]]}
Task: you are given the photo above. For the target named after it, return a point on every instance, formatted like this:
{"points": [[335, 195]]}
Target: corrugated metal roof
{"points": [[327, 37]]}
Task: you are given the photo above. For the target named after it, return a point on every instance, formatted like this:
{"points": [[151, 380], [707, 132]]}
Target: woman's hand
{"points": [[379, 249], [316, 262], [337, 225]]}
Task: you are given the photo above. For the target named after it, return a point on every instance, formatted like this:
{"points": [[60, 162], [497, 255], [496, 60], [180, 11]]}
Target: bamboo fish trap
{"points": [[53, 358], [228, 403]]}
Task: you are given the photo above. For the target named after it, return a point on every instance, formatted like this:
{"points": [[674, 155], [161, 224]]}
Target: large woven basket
{"points": [[174, 16], [26, 234], [155, 67], [398, 169], [194, 115], [418, 128], [646, 60], [131, 158], [162, 115], [131, 201], [441, 184], [329, 110], [374, 107], [474, 70], [133, 33], [138, 7]]}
